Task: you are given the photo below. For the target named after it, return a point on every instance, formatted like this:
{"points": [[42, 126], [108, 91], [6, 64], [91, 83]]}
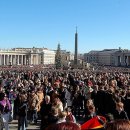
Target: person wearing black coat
{"points": [[119, 112], [45, 111], [127, 103], [22, 112], [101, 101]]}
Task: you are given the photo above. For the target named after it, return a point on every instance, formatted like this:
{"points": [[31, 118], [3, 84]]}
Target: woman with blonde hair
{"points": [[58, 104], [62, 117]]}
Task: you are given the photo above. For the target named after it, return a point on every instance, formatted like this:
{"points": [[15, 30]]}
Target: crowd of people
{"points": [[64, 98]]}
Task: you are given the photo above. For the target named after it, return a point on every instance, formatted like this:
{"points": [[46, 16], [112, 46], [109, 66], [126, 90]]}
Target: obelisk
{"points": [[76, 50]]}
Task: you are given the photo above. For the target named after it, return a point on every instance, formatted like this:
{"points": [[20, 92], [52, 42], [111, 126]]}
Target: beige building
{"points": [[66, 57], [27, 56], [113, 57], [122, 58]]}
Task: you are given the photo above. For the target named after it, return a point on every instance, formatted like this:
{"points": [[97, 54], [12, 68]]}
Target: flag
{"points": [[94, 123]]}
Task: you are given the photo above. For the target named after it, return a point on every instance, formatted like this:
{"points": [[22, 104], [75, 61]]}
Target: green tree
{"points": [[58, 63]]}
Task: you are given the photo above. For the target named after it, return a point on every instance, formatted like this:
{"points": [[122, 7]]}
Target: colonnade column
{"points": [[3, 59], [21, 59], [18, 59], [29, 59], [25, 63], [128, 61], [11, 60], [15, 59], [37, 57], [7, 59]]}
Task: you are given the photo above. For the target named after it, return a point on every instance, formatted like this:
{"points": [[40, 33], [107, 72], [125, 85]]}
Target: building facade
{"points": [[113, 57], [27, 56], [66, 58]]}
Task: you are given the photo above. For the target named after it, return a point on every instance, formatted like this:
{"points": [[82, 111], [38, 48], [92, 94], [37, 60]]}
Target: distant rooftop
{"points": [[108, 51]]}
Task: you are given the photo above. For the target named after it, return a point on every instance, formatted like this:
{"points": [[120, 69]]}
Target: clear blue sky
{"points": [[43, 23]]}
